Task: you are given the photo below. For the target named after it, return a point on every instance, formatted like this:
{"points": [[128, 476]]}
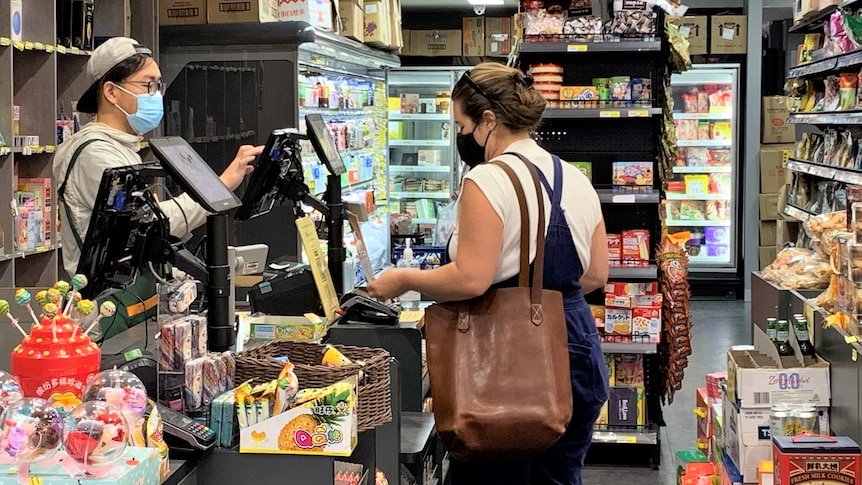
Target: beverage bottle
{"points": [[410, 299], [771, 329], [805, 346], [782, 342]]}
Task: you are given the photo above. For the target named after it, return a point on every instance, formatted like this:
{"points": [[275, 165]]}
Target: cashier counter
{"points": [[405, 446]]}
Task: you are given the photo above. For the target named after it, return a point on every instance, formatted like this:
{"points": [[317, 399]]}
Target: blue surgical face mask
{"points": [[150, 111]]}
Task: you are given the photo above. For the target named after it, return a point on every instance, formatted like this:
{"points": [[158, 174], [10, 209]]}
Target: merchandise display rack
{"points": [[584, 134]]}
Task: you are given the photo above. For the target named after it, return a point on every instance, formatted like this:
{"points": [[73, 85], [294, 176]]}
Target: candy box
{"points": [[138, 466], [714, 383], [815, 460], [613, 301], [633, 173], [598, 312], [646, 322], [308, 328], [618, 321], [586, 168], [615, 247], [623, 406], [629, 370], [328, 427], [635, 245]]}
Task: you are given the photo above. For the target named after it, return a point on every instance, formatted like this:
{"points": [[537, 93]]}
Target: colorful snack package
{"points": [[230, 362], [166, 347], [629, 369], [287, 387], [702, 102], [210, 386], [194, 378], [199, 335], [703, 132], [182, 344], [690, 101]]}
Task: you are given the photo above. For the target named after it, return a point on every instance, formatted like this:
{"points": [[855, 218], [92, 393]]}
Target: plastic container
{"points": [[410, 299]]}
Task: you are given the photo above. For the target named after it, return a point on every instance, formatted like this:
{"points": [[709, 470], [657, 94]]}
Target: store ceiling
{"points": [[445, 3]]}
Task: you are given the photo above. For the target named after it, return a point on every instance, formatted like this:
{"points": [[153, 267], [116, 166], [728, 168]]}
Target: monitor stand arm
{"points": [[220, 323]]}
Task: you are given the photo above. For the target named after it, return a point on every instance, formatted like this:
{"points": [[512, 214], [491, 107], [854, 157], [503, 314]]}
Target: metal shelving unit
{"points": [[634, 112], [608, 196]]}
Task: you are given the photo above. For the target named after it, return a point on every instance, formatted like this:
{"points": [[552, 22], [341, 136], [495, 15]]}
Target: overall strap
{"points": [[557, 194], [61, 191]]}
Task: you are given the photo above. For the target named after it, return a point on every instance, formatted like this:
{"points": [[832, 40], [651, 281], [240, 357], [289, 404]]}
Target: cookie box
{"points": [[325, 425]]}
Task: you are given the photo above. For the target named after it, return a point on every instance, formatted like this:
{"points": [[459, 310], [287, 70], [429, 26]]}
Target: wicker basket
{"points": [[374, 407]]}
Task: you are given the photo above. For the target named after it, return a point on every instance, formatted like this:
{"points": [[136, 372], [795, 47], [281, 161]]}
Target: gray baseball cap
{"points": [[104, 58]]}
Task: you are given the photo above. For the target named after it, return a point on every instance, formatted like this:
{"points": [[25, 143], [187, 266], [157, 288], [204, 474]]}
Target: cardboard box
{"points": [[182, 12], [729, 34], [377, 28], [825, 3], [407, 49], [236, 11], [498, 36], [801, 8], [767, 233], [773, 159], [766, 255], [473, 30], [435, 42], [397, 37], [307, 328], [768, 207], [306, 434], [352, 19], [317, 13], [694, 28], [137, 466], [776, 129], [815, 460], [755, 379]]}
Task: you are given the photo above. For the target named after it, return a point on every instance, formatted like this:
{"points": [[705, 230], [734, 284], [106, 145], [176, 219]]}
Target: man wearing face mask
{"points": [[126, 97]]}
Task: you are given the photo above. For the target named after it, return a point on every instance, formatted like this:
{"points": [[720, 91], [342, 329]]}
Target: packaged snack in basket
{"points": [[288, 386]]}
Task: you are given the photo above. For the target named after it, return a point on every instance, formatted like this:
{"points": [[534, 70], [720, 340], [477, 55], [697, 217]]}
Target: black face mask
{"points": [[471, 152]]}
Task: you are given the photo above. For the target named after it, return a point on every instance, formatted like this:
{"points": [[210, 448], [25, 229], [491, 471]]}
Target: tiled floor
{"points": [[717, 326]]}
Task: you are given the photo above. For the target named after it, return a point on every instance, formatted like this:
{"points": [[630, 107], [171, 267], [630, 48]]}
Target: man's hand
{"points": [[239, 167]]}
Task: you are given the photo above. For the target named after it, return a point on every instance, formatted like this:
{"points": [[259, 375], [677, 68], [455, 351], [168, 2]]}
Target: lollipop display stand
{"points": [[136, 466]]}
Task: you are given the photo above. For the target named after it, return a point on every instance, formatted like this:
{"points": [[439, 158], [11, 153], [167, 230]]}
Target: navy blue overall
{"points": [[561, 464]]}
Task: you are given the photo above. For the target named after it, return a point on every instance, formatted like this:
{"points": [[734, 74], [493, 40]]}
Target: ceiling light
{"points": [[485, 2]]}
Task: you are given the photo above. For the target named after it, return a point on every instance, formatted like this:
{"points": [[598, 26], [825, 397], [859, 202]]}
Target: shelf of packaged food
{"points": [[608, 196], [396, 116], [30, 252], [34, 149], [813, 21], [575, 47], [367, 111], [703, 116], [702, 259], [419, 195], [564, 113], [629, 347], [704, 143], [622, 436], [698, 223], [824, 171], [647, 272], [827, 118], [727, 169], [420, 168], [796, 213], [419, 143], [677, 196]]}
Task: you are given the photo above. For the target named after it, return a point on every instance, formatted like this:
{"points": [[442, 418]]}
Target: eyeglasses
{"points": [[466, 78], [153, 87]]}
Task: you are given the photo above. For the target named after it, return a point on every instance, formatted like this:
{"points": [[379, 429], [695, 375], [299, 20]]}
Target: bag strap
{"points": [[61, 192], [539, 262]]}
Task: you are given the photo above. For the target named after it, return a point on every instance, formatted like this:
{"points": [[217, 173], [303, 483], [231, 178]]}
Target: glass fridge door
{"points": [[423, 162], [701, 200]]}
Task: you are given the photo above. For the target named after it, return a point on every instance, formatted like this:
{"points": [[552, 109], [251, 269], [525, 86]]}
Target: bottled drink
{"points": [[410, 299], [805, 346], [782, 342], [772, 329]]}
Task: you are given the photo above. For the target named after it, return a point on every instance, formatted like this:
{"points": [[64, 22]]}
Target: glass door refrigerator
{"points": [[424, 168], [701, 197]]}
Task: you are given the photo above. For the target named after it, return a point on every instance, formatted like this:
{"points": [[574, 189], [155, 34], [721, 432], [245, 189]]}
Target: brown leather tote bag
{"points": [[499, 363]]}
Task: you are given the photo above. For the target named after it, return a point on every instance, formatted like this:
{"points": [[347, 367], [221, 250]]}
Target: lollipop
{"points": [[50, 311], [32, 430], [10, 390], [107, 309], [42, 298], [96, 434], [63, 287], [78, 281], [22, 297], [4, 310], [84, 307], [54, 296], [120, 389]]}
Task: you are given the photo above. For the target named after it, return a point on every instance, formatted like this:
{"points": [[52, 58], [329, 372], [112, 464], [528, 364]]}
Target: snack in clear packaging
{"points": [[703, 131], [799, 268], [629, 369], [697, 157], [690, 102], [686, 129], [702, 102], [193, 383], [182, 344], [167, 356], [287, 387], [847, 90]]}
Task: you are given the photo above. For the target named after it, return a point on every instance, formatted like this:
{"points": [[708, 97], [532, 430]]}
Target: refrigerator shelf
{"points": [[396, 116], [607, 196], [675, 223], [420, 168], [676, 196], [703, 116], [827, 118], [727, 169], [845, 175], [419, 143], [580, 47], [567, 113], [649, 272]]}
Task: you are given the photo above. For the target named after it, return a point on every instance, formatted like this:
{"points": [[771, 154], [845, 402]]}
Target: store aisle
{"points": [[717, 326]]}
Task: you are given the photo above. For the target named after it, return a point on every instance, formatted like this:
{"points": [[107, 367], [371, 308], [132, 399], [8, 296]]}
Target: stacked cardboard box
{"points": [[778, 137]]}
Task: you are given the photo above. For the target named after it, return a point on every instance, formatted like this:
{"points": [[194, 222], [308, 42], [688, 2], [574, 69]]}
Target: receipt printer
{"points": [[287, 289]]}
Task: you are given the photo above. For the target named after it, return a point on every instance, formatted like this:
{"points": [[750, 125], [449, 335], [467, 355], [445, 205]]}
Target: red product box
{"points": [[815, 460], [619, 288], [646, 322], [635, 245], [615, 301], [41, 187], [618, 321], [714, 384], [703, 410], [648, 300], [615, 245]]}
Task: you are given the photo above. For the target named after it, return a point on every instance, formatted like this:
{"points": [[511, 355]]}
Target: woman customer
{"points": [[126, 97], [495, 109]]}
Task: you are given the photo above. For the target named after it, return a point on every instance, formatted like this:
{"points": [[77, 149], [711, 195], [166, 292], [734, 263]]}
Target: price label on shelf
{"points": [[854, 355], [49, 149], [627, 439], [29, 45], [577, 48], [609, 114], [49, 48], [75, 50], [18, 45], [638, 113], [5, 41], [61, 49], [39, 46]]}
